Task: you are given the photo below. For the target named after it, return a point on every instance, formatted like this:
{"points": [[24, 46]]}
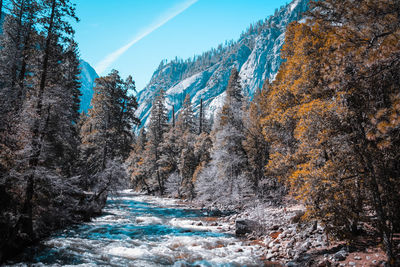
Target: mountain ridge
{"points": [[256, 54]]}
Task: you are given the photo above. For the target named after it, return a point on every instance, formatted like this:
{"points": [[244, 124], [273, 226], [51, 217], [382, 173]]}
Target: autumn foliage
{"points": [[332, 116]]}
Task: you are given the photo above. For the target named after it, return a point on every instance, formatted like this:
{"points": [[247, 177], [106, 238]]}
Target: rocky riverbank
{"points": [[280, 237]]}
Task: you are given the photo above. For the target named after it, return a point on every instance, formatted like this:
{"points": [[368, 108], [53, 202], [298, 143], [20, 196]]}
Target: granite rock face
{"points": [[87, 77]]}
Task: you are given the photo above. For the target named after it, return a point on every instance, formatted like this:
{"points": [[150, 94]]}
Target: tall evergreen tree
{"points": [[157, 128], [106, 134], [255, 145], [136, 168], [18, 46], [187, 162]]}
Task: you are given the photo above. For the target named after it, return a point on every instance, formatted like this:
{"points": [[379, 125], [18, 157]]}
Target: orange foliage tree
{"points": [[332, 115]]}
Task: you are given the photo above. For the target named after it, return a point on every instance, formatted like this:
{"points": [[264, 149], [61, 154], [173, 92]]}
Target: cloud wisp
{"points": [[105, 63]]}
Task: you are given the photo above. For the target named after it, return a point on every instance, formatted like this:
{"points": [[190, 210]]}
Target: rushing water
{"points": [[136, 230]]}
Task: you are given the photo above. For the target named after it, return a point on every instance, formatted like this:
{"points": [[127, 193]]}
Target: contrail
{"points": [[109, 59]]}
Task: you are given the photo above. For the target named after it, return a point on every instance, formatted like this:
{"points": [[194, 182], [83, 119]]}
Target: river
{"points": [[138, 230]]}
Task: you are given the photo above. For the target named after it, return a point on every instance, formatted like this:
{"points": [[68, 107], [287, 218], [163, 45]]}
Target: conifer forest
{"points": [[220, 160]]}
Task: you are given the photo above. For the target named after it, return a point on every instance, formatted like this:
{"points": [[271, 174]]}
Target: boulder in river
{"points": [[245, 226]]}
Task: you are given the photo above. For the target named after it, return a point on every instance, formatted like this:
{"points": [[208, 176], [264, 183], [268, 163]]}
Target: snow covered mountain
{"points": [[87, 77], [256, 55]]}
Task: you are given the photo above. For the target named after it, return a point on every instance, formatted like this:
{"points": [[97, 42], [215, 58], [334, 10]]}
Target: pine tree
{"points": [[169, 151], [136, 168], [187, 162], [202, 151], [157, 128], [60, 136], [228, 163], [56, 30], [40, 85], [17, 46], [186, 117], [255, 145], [106, 134], [201, 117]]}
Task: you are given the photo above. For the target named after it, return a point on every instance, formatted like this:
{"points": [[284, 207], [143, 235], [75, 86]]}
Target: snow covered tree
{"points": [[228, 159], [17, 42]]}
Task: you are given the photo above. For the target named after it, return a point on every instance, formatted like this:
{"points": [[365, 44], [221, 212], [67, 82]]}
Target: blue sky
{"points": [[133, 36]]}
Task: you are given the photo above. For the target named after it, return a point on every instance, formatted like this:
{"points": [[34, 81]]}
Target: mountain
{"points": [[87, 77], [256, 55]]}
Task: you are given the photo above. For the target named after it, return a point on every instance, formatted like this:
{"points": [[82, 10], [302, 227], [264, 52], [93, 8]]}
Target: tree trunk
{"points": [[173, 116], [383, 228], [376, 200], [18, 44], [21, 78], [160, 183], [46, 56]]}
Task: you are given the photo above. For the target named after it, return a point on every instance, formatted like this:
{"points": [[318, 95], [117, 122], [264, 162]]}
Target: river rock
{"points": [[245, 226], [287, 233], [324, 263], [270, 256], [290, 244], [317, 244], [340, 255], [290, 253], [306, 246]]}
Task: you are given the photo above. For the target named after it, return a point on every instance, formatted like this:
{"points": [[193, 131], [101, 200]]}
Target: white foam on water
{"points": [[191, 224], [147, 220], [130, 253], [113, 219], [178, 250]]}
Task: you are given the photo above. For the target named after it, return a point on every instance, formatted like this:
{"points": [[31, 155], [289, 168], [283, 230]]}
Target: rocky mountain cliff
{"points": [[256, 55]]}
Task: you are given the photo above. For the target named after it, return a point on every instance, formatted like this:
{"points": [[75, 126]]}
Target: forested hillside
{"points": [[47, 149]]}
